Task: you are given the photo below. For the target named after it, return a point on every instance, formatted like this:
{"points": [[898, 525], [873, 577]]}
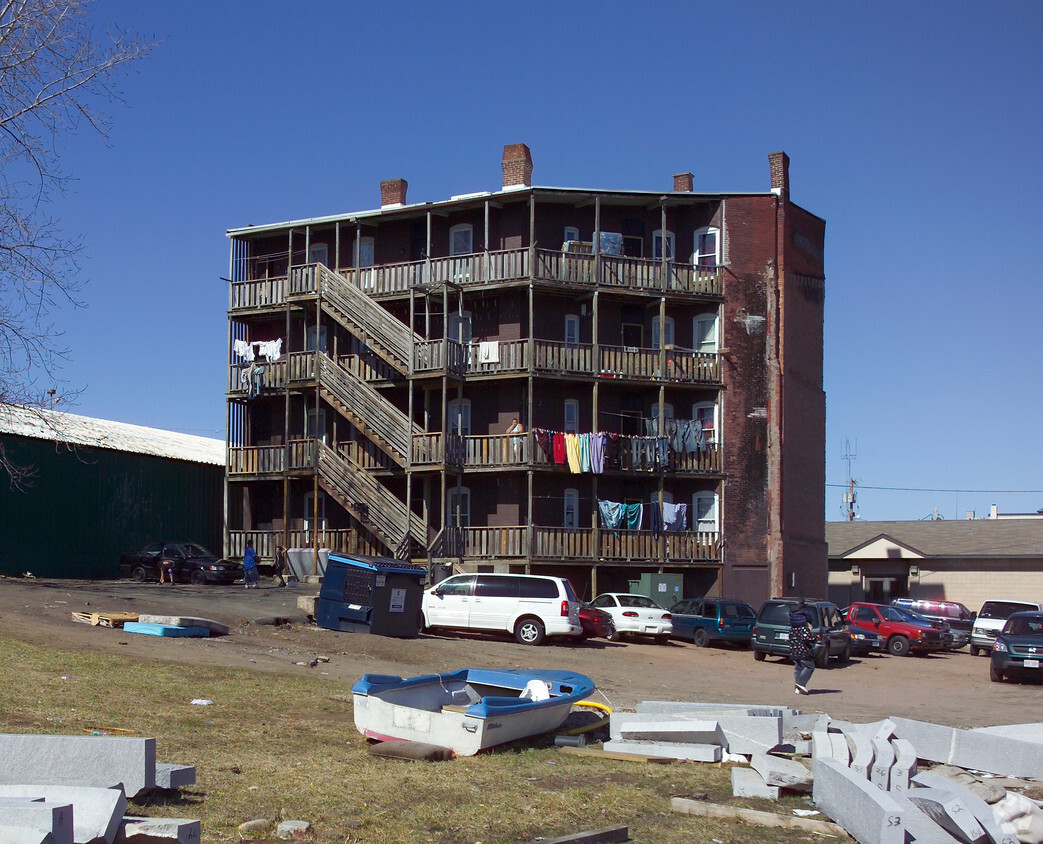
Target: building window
{"points": [[311, 502], [309, 340], [705, 413], [571, 330], [704, 512], [707, 249], [658, 238], [571, 233], [460, 417], [571, 516], [318, 253], [668, 332], [461, 239], [668, 410], [571, 416], [365, 252], [704, 330], [459, 505], [315, 424], [460, 327]]}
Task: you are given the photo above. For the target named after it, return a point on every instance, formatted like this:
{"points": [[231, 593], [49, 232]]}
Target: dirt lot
{"points": [[269, 633]]}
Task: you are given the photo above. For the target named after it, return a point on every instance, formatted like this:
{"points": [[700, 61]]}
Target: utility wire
{"points": [[938, 489]]}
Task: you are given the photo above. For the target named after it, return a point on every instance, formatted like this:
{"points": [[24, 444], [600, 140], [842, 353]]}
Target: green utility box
{"points": [[665, 589]]}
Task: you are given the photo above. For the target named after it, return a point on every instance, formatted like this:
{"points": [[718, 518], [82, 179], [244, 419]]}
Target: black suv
{"points": [[771, 632]]}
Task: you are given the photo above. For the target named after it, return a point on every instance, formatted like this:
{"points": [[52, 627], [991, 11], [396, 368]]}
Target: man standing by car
{"points": [[801, 642]]}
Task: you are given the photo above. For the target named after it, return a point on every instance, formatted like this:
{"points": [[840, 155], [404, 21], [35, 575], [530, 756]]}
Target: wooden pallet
{"points": [[104, 619]]}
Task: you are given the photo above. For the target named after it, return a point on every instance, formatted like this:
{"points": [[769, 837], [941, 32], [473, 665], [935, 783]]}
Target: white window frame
{"points": [[571, 416], [458, 229], [706, 341], [709, 523], [712, 406], [668, 332], [319, 253], [458, 506], [657, 241], [571, 233], [570, 516], [365, 252], [700, 253], [572, 327], [309, 508], [458, 417]]}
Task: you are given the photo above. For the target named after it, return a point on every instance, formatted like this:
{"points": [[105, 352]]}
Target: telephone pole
{"points": [[849, 495]]}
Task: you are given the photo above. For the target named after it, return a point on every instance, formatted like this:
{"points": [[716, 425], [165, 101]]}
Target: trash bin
{"points": [[363, 594]]}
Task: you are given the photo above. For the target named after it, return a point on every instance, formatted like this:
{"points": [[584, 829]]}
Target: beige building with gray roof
{"points": [[967, 561]]}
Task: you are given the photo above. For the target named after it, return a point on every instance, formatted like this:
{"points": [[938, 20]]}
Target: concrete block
{"points": [[159, 831], [1023, 732], [168, 631], [932, 741], [870, 815], [740, 733], [861, 753], [216, 628], [675, 706], [883, 759], [24, 835], [746, 782], [904, 766], [884, 729], [919, 828], [668, 750], [786, 773], [102, 761], [96, 812], [42, 816], [672, 730], [174, 776], [797, 724], [981, 751], [949, 812], [981, 810], [306, 603], [821, 745], [841, 749]]}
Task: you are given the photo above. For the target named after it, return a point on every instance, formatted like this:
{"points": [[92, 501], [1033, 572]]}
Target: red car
{"points": [[903, 634], [596, 623]]}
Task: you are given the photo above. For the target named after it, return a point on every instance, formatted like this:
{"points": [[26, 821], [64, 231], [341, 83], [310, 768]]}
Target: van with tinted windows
{"points": [[991, 618], [528, 606]]}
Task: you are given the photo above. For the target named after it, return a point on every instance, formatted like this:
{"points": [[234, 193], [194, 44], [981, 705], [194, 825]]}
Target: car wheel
{"points": [[197, 577], [529, 631], [994, 675], [662, 640], [975, 650], [845, 655], [700, 638], [759, 656], [822, 660], [898, 646], [139, 574]]}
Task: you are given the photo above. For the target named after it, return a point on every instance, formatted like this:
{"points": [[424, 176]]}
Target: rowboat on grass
{"points": [[467, 710]]}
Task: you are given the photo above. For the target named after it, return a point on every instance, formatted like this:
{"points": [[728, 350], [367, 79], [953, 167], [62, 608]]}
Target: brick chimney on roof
{"points": [[683, 182], [779, 173], [393, 192], [517, 167]]}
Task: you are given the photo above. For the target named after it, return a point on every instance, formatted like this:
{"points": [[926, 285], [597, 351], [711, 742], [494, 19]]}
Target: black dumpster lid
{"points": [[381, 564]]}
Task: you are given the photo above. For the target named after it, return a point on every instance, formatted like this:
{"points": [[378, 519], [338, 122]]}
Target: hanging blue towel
{"points": [[634, 513], [611, 513]]}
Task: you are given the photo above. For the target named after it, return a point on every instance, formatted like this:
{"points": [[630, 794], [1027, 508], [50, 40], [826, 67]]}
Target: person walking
{"points": [[250, 573], [166, 568], [279, 565], [801, 644]]}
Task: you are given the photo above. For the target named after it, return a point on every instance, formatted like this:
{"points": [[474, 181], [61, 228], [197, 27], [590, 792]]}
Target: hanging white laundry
{"points": [[244, 350], [270, 349], [489, 351]]}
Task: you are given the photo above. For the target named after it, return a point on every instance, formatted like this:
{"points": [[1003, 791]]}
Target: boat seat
{"points": [[454, 707]]}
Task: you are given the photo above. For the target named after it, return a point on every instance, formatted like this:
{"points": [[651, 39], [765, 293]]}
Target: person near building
{"points": [[517, 429], [279, 565], [801, 644], [250, 572]]}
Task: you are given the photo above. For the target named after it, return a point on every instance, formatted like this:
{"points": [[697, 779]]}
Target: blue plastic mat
{"points": [[168, 630]]}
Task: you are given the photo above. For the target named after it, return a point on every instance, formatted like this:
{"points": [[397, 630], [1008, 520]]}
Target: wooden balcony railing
{"points": [[256, 460], [264, 541], [496, 450], [498, 357], [434, 449], [563, 358]]}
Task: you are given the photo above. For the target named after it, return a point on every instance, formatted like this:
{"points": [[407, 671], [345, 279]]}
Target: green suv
{"points": [[771, 632]]}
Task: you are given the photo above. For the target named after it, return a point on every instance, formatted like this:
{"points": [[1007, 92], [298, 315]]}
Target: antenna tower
{"points": [[849, 495]]}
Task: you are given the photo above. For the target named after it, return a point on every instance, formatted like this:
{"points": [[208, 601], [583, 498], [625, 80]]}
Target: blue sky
{"points": [[912, 128]]}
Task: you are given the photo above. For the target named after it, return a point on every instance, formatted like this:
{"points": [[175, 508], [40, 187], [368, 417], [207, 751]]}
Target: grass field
{"points": [[273, 746]]}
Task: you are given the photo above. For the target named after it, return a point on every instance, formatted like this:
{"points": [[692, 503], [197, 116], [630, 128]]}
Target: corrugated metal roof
{"points": [[101, 433], [938, 538]]}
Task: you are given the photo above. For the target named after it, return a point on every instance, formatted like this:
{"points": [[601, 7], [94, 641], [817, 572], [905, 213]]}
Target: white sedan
{"points": [[636, 614]]}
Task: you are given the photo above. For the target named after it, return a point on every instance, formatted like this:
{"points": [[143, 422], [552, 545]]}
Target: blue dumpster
{"points": [[364, 594]]}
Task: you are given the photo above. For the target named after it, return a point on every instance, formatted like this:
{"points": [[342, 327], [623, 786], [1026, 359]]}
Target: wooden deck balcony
{"points": [[542, 265]]}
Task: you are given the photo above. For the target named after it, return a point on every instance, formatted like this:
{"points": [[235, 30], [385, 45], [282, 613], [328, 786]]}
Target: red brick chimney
{"points": [[393, 192], [779, 173], [517, 166], [683, 182]]}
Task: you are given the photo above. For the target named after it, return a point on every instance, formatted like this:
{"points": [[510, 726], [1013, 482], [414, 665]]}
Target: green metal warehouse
{"points": [[101, 489]]}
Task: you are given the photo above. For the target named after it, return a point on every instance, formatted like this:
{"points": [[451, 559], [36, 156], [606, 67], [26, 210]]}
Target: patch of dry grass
{"points": [[278, 746]]}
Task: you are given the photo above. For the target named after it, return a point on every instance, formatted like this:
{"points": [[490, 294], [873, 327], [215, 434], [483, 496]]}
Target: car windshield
{"points": [[778, 613], [1002, 609], [1025, 625], [193, 551]]}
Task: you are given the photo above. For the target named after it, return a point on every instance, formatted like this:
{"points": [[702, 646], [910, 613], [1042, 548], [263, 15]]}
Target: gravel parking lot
{"points": [[269, 633]]}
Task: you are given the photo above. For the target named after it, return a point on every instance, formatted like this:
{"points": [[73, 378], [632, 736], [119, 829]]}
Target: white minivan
{"points": [[991, 618], [529, 606]]}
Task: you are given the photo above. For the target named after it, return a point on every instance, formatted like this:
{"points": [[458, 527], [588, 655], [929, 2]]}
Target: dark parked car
{"points": [[596, 624], [956, 615], [192, 564], [865, 640], [706, 620], [1018, 649], [771, 632]]}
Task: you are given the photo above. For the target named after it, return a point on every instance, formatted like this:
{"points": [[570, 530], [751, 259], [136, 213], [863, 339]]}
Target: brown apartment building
{"points": [[661, 351]]}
